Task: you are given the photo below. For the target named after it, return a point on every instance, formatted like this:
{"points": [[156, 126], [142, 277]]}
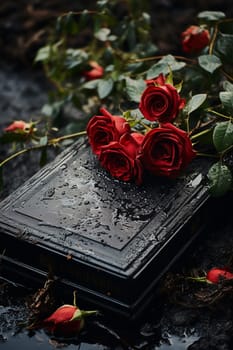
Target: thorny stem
{"points": [[199, 134], [66, 137], [75, 298], [51, 142], [207, 155], [198, 279], [145, 126], [89, 12], [211, 47], [218, 114], [152, 58], [226, 150], [229, 77]]}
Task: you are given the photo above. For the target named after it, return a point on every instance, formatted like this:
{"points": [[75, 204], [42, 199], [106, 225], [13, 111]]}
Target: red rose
{"points": [[67, 320], [160, 101], [104, 129], [160, 80], [19, 126], [95, 73], [215, 275], [194, 39], [120, 158], [166, 151]]}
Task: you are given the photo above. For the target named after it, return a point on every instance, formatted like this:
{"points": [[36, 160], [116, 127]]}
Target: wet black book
{"points": [[111, 241]]}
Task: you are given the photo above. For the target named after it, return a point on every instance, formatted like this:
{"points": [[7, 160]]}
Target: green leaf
{"points": [[220, 179], [165, 65], [223, 135], [135, 88], [102, 34], [104, 87], [224, 47], [74, 58], [195, 102], [227, 86], [43, 54], [92, 84], [44, 140], [52, 109], [209, 62], [226, 98], [70, 24], [211, 15]]}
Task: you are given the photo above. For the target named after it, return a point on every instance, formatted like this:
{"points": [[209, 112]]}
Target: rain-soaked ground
{"points": [[182, 315]]}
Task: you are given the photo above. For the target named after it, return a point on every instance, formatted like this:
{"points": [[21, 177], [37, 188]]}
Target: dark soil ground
{"points": [[184, 314]]}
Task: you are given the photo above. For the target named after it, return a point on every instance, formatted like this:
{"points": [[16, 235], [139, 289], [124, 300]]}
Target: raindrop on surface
{"points": [[195, 182], [63, 166], [50, 192]]}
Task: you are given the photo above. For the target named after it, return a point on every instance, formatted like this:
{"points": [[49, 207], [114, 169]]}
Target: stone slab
{"points": [[110, 240]]}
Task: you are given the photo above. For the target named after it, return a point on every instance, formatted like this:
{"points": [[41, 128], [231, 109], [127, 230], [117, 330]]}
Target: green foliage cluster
{"points": [[117, 35]]}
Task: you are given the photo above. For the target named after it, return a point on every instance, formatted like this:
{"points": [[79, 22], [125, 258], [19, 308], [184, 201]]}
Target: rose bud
{"points": [[215, 275], [95, 72], [160, 101], [67, 321], [120, 158], [194, 39], [166, 151], [104, 129], [19, 126]]}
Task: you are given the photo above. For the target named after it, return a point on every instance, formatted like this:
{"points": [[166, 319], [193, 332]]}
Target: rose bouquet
{"points": [[164, 150]]}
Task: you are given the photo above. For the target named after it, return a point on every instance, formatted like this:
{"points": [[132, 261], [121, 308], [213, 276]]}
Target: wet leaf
{"points": [[226, 98], [223, 136], [135, 88], [92, 84], [209, 62], [43, 140], [228, 86], [224, 47], [165, 65], [195, 102], [102, 34], [43, 54], [211, 15], [220, 179], [104, 87]]}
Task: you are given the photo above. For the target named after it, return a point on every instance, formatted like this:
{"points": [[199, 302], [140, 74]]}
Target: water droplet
{"points": [[63, 166]]}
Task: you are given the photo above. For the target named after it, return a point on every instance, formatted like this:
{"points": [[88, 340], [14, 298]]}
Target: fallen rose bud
{"points": [[215, 275], [19, 126], [95, 73], [67, 320]]}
